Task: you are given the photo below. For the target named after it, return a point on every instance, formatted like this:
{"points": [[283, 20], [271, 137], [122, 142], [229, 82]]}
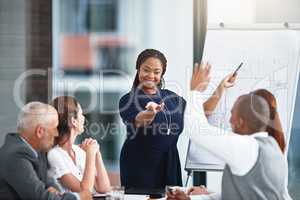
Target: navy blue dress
{"points": [[149, 157]]}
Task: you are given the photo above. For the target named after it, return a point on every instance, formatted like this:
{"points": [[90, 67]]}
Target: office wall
{"points": [[277, 11], [12, 59], [296, 124], [293, 152], [39, 50], [25, 44], [170, 29]]}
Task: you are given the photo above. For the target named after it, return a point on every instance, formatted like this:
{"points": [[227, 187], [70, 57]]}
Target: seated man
{"points": [[23, 166], [253, 151]]}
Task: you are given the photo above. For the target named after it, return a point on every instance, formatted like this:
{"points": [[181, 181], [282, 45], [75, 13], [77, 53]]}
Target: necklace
{"points": [[168, 120]]}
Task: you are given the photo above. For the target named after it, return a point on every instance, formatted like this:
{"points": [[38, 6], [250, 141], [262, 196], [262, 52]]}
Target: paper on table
{"points": [[136, 197], [99, 195]]}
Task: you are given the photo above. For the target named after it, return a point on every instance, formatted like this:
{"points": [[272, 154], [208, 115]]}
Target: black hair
{"points": [[142, 57]]}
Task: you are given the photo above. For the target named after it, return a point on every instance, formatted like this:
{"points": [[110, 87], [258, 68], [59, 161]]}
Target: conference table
{"points": [[132, 197], [137, 194], [139, 197]]}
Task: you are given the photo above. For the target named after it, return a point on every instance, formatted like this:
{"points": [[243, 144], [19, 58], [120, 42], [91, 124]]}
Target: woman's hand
{"points": [[88, 141], [85, 195], [198, 190], [154, 107], [200, 77], [53, 190], [145, 117], [84, 144], [177, 195], [90, 146], [228, 81], [92, 149]]}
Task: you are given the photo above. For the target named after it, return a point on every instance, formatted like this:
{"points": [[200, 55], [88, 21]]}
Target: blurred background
{"points": [[88, 48]]}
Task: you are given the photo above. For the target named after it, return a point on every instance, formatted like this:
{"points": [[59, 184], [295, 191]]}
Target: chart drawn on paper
{"points": [[271, 61]]}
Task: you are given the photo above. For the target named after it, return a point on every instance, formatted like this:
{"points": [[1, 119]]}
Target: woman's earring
{"points": [[161, 83]]}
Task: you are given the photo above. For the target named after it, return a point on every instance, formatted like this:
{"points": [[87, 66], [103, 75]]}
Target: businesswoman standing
{"points": [[154, 120]]}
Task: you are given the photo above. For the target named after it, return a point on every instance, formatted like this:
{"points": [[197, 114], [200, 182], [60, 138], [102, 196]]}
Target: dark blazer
{"points": [[149, 157], [23, 175]]}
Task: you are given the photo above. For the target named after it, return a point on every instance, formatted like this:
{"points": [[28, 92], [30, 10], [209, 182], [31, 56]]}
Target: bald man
{"points": [[23, 166]]}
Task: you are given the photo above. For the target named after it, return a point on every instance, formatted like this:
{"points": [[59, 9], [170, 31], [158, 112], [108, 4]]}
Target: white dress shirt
{"points": [[61, 164], [239, 152]]}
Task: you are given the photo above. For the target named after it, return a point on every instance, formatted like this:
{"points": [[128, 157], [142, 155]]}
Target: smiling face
{"points": [[150, 73]]}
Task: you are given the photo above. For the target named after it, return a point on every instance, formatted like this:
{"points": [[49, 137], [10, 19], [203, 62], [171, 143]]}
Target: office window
{"points": [[102, 15], [92, 55], [81, 16], [95, 47], [293, 151]]}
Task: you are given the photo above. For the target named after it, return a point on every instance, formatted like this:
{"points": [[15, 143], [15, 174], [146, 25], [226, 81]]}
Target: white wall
{"points": [[12, 60], [170, 31], [278, 11]]}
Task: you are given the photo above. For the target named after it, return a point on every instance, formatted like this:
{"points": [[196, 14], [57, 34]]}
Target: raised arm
{"points": [[211, 103], [102, 183], [239, 152], [87, 183]]}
